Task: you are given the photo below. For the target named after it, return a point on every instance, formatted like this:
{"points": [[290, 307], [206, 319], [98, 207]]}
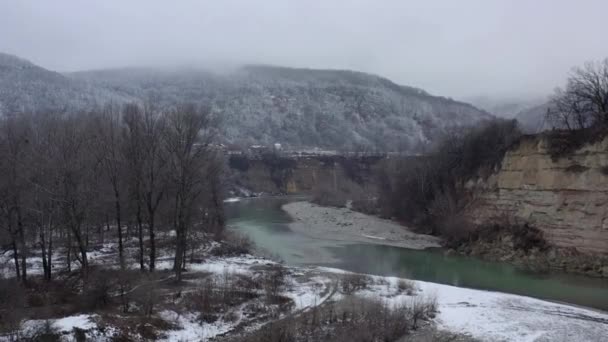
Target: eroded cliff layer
{"points": [[566, 198]]}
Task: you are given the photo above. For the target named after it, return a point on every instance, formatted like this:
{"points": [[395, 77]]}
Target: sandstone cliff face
{"points": [[567, 198], [302, 175]]}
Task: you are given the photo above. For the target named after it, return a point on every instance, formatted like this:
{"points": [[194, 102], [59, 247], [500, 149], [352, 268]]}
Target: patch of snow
{"points": [[83, 322], [498, 316], [191, 328], [232, 200], [214, 265], [373, 237], [310, 294], [495, 316], [63, 325]]}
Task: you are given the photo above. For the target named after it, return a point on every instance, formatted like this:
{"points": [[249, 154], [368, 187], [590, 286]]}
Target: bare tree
{"points": [[155, 180], [44, 179], [147, 164], [16, 144], [187, 140], [215, 219], [108, 151], [134, 158], [584, 101], [63, 175], [78, 183]]}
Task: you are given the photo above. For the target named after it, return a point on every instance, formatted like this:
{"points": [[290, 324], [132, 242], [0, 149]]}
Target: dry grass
{"points": [[353, 320]]}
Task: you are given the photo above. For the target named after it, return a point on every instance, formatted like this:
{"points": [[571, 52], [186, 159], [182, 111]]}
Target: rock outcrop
{"points": [[274, 174], [567, 199]]}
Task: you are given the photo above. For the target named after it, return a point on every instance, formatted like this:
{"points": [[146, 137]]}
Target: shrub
{"points": [[339, 194], [35, 300], [356, 320], [147, 297], [367, 206], [204, 301], [353, 282], [45, 333], [274, 282], [427, 191], [562, 143], [12, 305], [524, 237], [234, 243], [216, 296], [421, 307], [407, 286], [97, 290], [80, 335], [324, 196]]}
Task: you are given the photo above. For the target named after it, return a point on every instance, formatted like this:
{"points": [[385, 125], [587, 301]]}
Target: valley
{"points": [[150, 193]]}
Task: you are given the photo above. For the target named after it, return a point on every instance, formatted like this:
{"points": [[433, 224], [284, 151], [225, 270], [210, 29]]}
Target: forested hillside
{"points": [[299, 108]]}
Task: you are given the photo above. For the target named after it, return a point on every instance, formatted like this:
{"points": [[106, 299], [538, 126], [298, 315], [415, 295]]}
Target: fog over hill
{"points": [[299, 108], [506, 106], [532, 120], [28, 87]]}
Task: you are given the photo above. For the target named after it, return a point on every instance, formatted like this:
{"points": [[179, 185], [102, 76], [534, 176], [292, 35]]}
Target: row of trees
{"points": [[64, 176]]}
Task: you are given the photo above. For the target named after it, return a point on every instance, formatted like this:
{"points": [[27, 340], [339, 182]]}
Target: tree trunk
{"points": [[83, 252], [152, 242], [179, 253], [140, 235], [69, 251], [16, 257], [45, 266], [120, 247], [50, 255], [23, 244], [178, 269], [219, 218], [86, 236]]}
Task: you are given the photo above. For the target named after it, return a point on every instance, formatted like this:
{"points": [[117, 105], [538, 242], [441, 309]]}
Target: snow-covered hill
{"points": [[28, 87], [298, 108]]}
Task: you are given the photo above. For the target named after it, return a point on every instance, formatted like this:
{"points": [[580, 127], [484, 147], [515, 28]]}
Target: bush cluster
{"points": [[429, 191]]}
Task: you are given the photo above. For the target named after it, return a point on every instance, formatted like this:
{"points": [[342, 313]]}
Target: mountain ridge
{"points": [[258, 104]]}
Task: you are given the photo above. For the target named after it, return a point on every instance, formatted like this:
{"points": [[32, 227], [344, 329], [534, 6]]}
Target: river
{"points": [[268, 227]]}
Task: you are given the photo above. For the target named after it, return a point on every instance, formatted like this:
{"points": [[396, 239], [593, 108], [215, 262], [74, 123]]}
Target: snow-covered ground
{"points": [[191, 328], [485, 315], [495, 316]]}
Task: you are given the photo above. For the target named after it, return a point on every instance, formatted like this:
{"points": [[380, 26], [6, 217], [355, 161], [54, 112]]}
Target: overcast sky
{"points": [[452, 48]]}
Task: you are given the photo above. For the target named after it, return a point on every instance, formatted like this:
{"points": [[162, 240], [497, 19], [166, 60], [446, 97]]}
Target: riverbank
{"points": [[458, 313], [526, 248], [230, 297], [345, 225]]}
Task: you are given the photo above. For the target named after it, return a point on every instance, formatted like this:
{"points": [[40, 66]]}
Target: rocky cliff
{"points": [[567, 199], [274, 174]]}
